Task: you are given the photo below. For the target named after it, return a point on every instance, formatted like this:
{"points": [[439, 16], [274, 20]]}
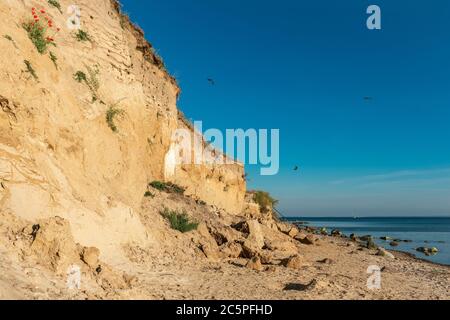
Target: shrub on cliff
{"points": [[168, 187], [264, 200], [179, 221]]}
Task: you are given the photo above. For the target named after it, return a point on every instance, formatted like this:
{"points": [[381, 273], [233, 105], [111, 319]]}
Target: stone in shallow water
{"points": [[394, 244]]}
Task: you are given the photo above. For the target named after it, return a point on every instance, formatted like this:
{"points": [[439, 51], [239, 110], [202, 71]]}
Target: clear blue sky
{"points": [[304, 67]]}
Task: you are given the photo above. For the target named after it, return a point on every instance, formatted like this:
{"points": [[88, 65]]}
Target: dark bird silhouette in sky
{"points": [[211, 81], [368, 98], [296, 168]]}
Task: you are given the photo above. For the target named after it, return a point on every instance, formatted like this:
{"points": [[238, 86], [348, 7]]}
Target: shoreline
{"points": [[414, 257], [306, 225]]}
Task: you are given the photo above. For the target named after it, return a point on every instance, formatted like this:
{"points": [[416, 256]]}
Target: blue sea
{"points": [[424, 232]]}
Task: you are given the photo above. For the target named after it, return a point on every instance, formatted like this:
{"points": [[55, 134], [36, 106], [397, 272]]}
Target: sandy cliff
{"points": [[59, 156], [84, 127]]}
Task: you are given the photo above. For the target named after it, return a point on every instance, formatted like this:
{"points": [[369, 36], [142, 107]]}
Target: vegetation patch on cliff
{"points": [[168, 187], [82, 36], [179, 221], [264, 200], [90, 79], [112, 112], [55, 4], [30, 69]]}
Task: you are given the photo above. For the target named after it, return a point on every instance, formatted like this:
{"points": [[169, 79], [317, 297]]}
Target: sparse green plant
{"points": [[123, 20], [56, 4], [8, 37], [264, 200], [54, 59], [158, 185], [91, 80], [36, 33], [168, 187], [148, 194], [159, 62], [179, 221], [82, 36], [80, 76], [112, 112], [30, 69]]}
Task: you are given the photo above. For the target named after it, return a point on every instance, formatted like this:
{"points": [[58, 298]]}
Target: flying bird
{"points": [[296, 168], [368, 98], [211, 81]]}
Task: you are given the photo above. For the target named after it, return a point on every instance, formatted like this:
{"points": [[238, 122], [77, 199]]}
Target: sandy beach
{"points": [[175, 266]]}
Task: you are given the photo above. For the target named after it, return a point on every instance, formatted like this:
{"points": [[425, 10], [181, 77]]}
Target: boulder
{"points": [[208, 244], [225, 234], [371, 244], [270, 223], [384, 253], [270, 269], [239, 262], [385, 238], [54, 246], [281, 248], [428, 251], [231, 250], [202, 229], [308, 240], [255, 240], [323, 231], [284, 227], [266, 257], [210, 251], [300, 236], [293, 232], [336, 233], [353, 237], [394, 244], [294, 262], [90, 256], [255, 264]]}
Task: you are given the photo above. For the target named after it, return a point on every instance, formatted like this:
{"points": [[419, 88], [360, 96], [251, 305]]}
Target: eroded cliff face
{"points": [[205, 172], [59, 156]]}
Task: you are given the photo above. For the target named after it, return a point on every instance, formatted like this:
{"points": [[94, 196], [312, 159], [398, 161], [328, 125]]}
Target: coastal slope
{"points": [[87, 122]]}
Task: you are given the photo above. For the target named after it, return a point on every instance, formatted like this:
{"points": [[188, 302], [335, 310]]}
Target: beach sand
{"points": [[173, 267]]}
